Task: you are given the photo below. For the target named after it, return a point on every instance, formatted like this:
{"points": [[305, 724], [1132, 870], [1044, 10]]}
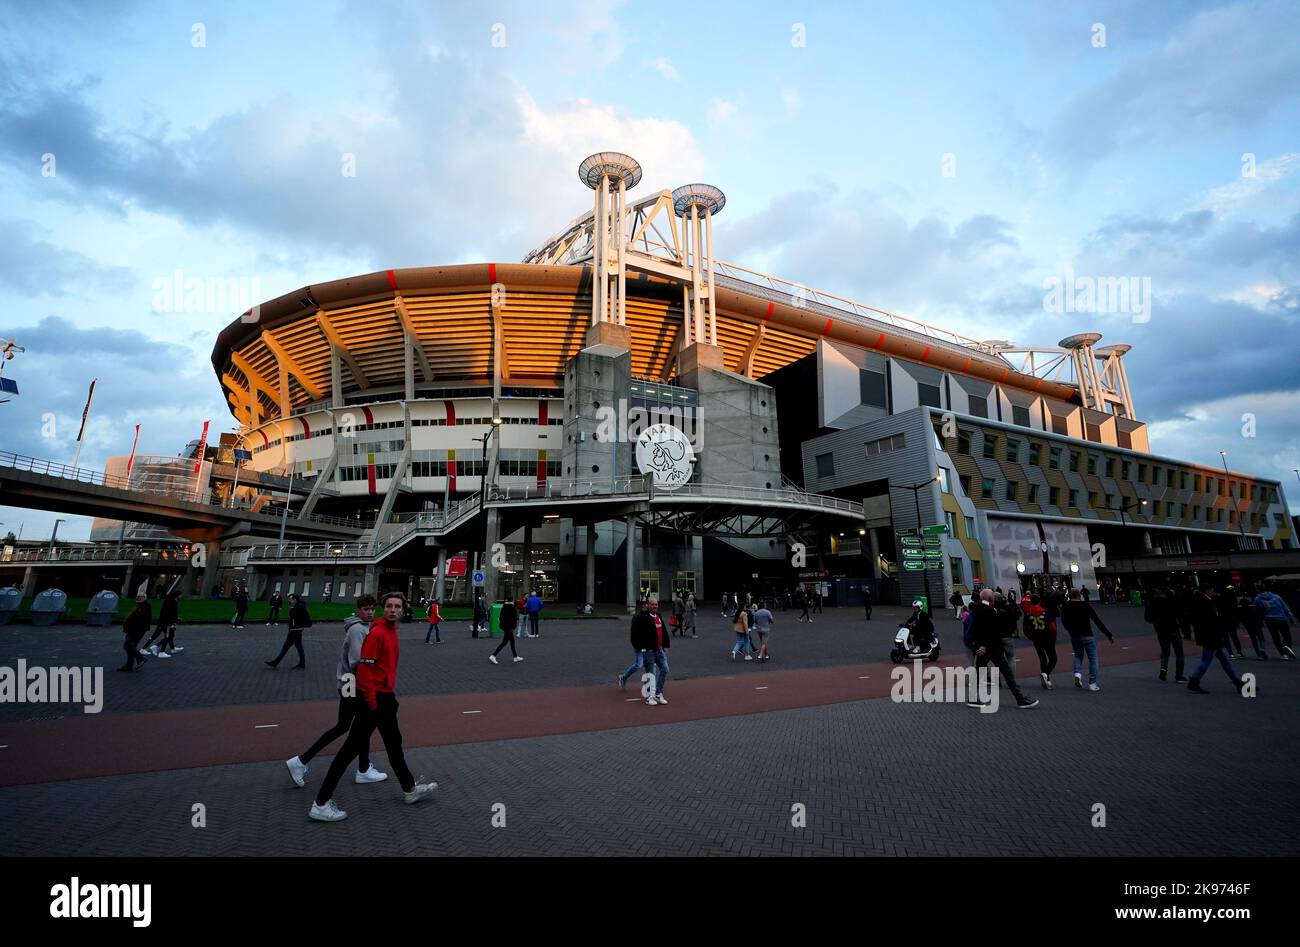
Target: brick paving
{"points": [[1178, 774]]}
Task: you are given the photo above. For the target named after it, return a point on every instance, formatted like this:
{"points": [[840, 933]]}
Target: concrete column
{"points": [[440, 585], [591, 563], [336, 380], [29, 581], [370, 580], [211, 561], [408, 369], [127, 591], [493, 526], [875, 552], [528, 559], [632, 589]]}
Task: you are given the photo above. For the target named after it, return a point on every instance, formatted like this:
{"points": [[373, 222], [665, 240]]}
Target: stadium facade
{"points": [[407, 391]]}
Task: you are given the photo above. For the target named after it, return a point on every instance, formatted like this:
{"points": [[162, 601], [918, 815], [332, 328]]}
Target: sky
{"points": [[945, 161]]}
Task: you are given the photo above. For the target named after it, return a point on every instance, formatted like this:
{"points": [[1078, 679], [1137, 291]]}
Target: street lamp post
{"points": [[50, 555], [1223, 456], [916, 489]]}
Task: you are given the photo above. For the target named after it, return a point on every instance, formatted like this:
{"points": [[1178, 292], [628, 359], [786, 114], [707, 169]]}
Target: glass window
{"points": [[872, 388], [1074, 461], [1110, 466], [1020, 415], [1035, 453], [1013, 451], [963, 441], [650, 582], [825, 465], [964, 480], [1092, 464], [1126, 469], [1054, 496], [1033, 493], [969, 522], [990, 445], [1011, 490], [306, 589], [343, 590], [1074, 499], [977, 571], [958, 577], [1142, 473], [979, 406], [686, 581], [1054, 458], [943, 480], [950, 518], [988, 486], [928, 396]]}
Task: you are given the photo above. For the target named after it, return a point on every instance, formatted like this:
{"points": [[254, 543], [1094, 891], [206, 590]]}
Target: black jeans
{"points": [[1045, 646], [999, 660], [1169, 637], [509, 639], [132, 648], [1281, 630], [348, 709], [868, 611], [274, 617], [384, 719], [293, 640], [168, 634]]}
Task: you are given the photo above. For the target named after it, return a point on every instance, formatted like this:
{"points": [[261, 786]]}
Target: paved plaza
{"points": [[576, 766]]}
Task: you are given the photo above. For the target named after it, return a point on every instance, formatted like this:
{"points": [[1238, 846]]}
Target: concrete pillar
{"points": [[632, 576], [127, 591], [336, 380], [875, 552], [591, 563], [211, 561], [29, 581], [493, 525], [528, 559], [369, 581], [440, 585]]}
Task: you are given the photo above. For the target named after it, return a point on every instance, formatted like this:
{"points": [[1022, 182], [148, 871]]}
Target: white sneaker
{"points": [[749, 657], [327, 813], [371, 775], [518, 659], [660, 699], [153, 649], [1094, 687], [161, 654], [652, 702], [1043, 677], [177, 650], [297, 772], [142, 652], [493, 658], [420, 791]]}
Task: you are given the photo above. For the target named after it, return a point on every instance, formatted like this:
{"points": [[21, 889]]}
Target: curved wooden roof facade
{"points": [[544, 320]]}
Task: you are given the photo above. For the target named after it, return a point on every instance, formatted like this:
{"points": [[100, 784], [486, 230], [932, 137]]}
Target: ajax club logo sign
{"points": [[665, 453]]}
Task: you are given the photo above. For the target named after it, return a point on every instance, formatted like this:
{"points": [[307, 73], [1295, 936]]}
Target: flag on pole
{"points": [[131, 460], [86, 411], [203, 444]]}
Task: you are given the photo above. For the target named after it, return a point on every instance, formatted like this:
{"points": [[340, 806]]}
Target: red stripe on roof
{"points": [[392, 280], [829, 323], [771, 308], [925, 354], [969, 359], [492, 272], [1006, 372], [451, 411], [880, 341]]}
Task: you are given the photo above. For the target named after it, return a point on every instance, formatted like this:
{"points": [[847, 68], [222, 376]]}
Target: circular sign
{"points": [[479, 577], [665, 453]]}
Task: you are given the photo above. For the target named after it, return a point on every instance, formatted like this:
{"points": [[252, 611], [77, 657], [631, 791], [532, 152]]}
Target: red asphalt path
{"points": [[86, 746]]}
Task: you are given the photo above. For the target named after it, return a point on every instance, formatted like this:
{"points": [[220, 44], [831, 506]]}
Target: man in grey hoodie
{"points": [[355, 629]]}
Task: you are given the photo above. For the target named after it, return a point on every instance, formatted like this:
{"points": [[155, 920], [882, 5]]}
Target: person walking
{"points": [[817, 601], [1253, 622], [762, 620], [241, 606], [273, 608], [134, 627], [678, 621], [298, 621], [986, 636], [1161, 614], [740, 625], [1277, 616], [637, 638], [1184, 602], [1043, 637], [534, 605], [355, 628], [689, 609], [435, 620], [1078, 617], [509, 621], [168, 617], [956, 602], [651, 641], [802, 603], [376, 686], [480, 614], [1209, 624], [866, 598]]}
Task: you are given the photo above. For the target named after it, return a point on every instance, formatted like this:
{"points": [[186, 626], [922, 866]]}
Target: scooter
{"points": [[905, 649]]}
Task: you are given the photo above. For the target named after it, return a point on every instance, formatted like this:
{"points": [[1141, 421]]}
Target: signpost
{"points": [[922, 551]]}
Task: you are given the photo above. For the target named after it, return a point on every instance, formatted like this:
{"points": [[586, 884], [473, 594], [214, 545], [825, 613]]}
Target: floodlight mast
{"points": [[610, 174]]}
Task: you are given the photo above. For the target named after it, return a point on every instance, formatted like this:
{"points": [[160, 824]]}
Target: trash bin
{"points": [[102, 608], [49, 607], [494, 619], [10, 599]]}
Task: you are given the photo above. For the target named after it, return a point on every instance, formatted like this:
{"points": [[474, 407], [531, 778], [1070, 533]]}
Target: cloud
{"points": [[720, 110], [32, 266], [1224, 69], [663, 67], [1230, 196]]}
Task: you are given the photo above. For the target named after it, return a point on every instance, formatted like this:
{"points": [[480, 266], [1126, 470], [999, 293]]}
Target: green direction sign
{"points": [[914, 566], [934, 554], [904, 532], [934, 565], [932, 530], [933, 542], [910, 543], [912, 554]]}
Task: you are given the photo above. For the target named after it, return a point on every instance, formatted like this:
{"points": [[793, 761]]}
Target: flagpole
{"points": [[84, 414]]}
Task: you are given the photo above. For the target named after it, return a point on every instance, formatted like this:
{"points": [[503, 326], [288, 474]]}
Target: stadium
{"points": [[477, 416]]}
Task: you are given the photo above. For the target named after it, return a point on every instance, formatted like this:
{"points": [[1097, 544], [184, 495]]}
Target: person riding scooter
{"points": [[922, 627]]}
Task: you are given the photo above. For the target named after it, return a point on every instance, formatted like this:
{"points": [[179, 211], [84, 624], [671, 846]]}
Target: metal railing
{"points": [[177, 554]]}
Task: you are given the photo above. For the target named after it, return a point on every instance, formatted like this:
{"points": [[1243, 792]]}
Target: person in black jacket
{"points": [[274, 606], [986, 637], [1210, 615], [241, 606], [651, 640], [168, 617], [1078, 618], [1161, 615], [1252, 620], [135, 626], [298, 620], [509, 621], [1184, 602]]}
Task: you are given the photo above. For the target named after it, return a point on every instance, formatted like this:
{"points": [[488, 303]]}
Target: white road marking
{"points": [[266, 726], [865, 677], [471, 711], [632, 700], [760, 688]]}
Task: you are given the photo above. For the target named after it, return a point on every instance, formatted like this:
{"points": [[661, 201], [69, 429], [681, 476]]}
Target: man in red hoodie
{"points": [[376, 680]]}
